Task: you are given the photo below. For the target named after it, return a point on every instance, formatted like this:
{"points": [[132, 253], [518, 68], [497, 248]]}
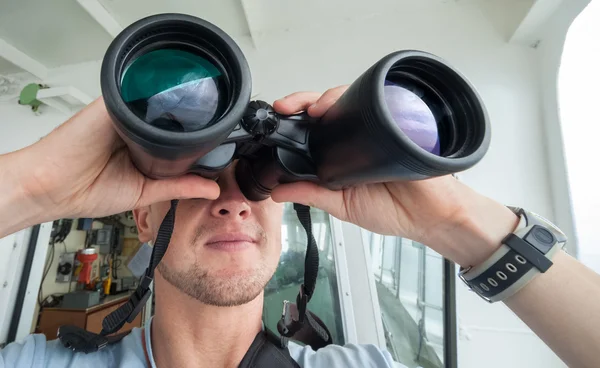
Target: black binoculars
{"points": [[178, 90]]}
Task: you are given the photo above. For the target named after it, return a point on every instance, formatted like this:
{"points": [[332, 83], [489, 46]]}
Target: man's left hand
{"points": [[440, 212]]}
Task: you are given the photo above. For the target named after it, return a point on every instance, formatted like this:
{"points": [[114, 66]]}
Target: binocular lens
{"points": [[175, 90], [413, 116]]}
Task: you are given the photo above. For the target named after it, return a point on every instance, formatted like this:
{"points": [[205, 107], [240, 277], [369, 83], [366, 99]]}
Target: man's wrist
{"points": [[476, 231]]}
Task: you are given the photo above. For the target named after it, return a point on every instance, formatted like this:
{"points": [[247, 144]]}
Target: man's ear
{"points": [[142, 220]]}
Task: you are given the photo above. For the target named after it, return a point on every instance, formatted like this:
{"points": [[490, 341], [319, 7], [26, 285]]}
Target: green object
{"points": [[28, 96]]}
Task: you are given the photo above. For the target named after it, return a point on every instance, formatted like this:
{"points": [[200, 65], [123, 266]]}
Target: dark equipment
{"points": [[60, 230], [81, 299], [178, 90], [109, 239]]}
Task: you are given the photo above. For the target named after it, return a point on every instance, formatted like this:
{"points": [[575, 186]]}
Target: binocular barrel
{"points": [[178, 89]]}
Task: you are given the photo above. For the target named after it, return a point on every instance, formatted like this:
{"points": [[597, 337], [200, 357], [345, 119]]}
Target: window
{"points": [[410, 288], [289, 275], [578, 82]]}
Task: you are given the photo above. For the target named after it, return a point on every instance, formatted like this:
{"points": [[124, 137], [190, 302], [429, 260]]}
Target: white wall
{"points": [[578, 79], [550, 54], [20, 127]]}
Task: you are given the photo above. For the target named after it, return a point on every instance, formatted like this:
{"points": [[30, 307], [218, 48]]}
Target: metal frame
{"points": [[450, 330], [21, 287], [14, 250], [30, 302], [365, 300], [450, 333], [18, 306], [343, 279]]}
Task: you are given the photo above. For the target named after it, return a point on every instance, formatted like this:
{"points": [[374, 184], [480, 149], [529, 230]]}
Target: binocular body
{"points": [[178, 90]]}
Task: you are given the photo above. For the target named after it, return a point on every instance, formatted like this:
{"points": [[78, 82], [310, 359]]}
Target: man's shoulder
{"points": [[349, 355], [34, 351]]}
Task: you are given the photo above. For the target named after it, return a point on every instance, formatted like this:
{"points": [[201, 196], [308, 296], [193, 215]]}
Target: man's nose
{"points": [[231, 202], [232, 207]]}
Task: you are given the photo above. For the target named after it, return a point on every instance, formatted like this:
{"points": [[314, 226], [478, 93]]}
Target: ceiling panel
{"points": [[55, 32], [6, 67], [226, 14], [273, 15], [61, 32], [506, 18]]}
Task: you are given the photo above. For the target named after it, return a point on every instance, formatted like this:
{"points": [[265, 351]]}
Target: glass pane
{"points": [[289, 275], [410, 286]]}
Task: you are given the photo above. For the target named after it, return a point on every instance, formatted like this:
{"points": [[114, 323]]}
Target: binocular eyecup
{"points": [[178, 90]]}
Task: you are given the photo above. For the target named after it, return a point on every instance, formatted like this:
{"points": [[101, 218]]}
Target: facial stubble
{"points": [[221, 290]]}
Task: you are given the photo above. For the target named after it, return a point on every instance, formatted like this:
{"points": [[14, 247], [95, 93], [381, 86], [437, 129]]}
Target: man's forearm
{"points": [[16, 210], [562, 306], [475, 232]]}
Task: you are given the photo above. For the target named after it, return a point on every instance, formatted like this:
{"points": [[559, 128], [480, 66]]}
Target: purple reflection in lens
{"points": [[413, 116]]}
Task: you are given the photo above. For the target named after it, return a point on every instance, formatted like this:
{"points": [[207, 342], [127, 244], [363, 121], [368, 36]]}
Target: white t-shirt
{"points": [[36, 352]]}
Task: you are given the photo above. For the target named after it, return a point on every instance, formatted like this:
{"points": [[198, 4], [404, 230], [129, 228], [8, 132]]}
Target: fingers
{"points": [[311, 194], [314, 103], [295, 102], [320, 107], [184, 187]]}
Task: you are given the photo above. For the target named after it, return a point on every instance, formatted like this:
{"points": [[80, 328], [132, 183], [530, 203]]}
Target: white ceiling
{"points": [[226, 14], [62, 32], [53, 32], [6, 67]]}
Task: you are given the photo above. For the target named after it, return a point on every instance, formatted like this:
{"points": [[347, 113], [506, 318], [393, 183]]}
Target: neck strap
{"points": [[128, 311]]}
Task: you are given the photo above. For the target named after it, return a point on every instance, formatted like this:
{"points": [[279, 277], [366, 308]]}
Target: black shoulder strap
{"points": [[268, 350], [77, 339], [297, 322]]}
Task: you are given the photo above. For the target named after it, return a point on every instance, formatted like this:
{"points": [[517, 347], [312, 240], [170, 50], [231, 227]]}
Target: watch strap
{"points": [[524, 254]]}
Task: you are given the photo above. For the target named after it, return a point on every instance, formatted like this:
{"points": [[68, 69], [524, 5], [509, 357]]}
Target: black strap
{"points": [[128, 311], [268, 350], [78, 339], [311, 261], [297, 322], [533, 248]]}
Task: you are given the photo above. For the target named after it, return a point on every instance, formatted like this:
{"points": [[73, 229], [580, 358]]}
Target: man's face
{"points": [[222, 252]]}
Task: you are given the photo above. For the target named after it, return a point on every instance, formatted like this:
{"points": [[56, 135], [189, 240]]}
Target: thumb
{"points": [[183, 187], [313, 195]]}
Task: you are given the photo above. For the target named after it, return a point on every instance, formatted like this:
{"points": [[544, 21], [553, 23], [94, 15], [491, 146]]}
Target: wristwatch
{"points": [[524, 254]]}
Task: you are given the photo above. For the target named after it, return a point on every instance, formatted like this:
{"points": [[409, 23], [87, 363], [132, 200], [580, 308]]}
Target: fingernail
{"points": [[313, 106]]}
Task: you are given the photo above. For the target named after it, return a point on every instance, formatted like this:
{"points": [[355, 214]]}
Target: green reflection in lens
{"points": [[174, 90]]}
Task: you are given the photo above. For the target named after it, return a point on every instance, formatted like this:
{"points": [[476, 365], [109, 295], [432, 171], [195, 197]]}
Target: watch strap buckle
{"points": [[461, 275]]}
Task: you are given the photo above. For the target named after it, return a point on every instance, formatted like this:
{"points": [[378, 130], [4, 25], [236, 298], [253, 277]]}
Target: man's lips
{"points": [[230, 242]]}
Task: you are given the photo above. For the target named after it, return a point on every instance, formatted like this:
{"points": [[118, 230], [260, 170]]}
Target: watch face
{"points": [[541, 238]]}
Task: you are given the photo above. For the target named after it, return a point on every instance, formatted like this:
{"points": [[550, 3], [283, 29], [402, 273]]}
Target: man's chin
{"points": [[230, 290], [224, 287]]}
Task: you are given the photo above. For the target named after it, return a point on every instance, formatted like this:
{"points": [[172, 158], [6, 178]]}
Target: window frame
{"points": [[358, 248], [343, 280]]}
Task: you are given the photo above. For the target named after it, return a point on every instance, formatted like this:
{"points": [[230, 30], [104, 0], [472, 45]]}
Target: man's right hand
{"points": [[83, 169]]}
